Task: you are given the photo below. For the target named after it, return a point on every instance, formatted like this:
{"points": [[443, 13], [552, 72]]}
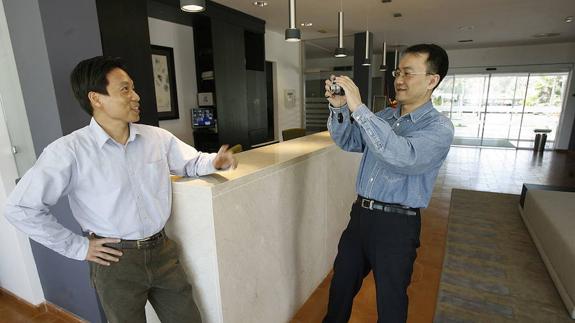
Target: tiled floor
{"points": [[494, 170]]}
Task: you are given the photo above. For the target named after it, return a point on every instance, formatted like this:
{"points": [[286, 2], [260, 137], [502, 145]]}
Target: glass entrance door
{"points": [[502, 110]]}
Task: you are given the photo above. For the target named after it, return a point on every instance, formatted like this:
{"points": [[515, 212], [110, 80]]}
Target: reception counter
{"points": [[257, 241]]}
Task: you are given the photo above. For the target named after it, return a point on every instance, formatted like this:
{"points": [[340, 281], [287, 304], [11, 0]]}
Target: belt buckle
{"points": [[369, 204]]}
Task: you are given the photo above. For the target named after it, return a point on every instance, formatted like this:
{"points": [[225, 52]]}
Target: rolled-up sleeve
{"points": [[185, 160]]}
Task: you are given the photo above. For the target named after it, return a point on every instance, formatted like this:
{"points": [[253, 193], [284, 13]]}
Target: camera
{"points": [[336, 89]]}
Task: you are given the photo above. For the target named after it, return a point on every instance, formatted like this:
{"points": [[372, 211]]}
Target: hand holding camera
{"points": [[340, 90], [334, 93]]}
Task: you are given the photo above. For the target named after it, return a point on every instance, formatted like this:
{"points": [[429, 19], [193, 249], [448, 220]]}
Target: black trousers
{"points": [[385, 243]]}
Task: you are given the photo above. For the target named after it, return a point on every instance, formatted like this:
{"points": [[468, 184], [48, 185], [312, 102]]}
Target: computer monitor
{"points": [[203, 118]]}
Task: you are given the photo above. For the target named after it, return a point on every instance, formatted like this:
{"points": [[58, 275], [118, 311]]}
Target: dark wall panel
{"points": [[572, 141], [257, 107], [230, 77], [125, 33]]}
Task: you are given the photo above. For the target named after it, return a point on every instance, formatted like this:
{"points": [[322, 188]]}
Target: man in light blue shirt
{"points": [[116, 175], [403, 149]]}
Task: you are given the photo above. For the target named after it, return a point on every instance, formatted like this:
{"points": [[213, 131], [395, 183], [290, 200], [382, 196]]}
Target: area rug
{"points": [[492, 271]]}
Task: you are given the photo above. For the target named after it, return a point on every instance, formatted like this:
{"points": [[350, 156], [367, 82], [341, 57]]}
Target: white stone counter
{"points": [[258, 240]]}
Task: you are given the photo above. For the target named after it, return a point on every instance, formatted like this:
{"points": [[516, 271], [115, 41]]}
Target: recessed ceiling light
{"points": [[306, 24], [545, 35], [385, 1], [465, 41], [260, 3], [397, 15], [466, 28], [569, 19]]}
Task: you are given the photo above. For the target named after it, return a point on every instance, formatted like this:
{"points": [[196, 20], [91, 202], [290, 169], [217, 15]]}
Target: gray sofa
{"points": [[550, 219]]}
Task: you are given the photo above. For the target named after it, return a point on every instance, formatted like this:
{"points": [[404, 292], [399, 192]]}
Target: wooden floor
{"points": [[15, 310], [493, 170]]}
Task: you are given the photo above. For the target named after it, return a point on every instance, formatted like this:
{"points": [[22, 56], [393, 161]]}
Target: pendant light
{"points": [[396, 56], [292, 33], [340, 51], [193, 5], [366, 60], [383, 66]]}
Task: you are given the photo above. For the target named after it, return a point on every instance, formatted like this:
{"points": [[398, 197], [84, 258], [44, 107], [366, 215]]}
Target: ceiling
{"points": [[488, 23]]}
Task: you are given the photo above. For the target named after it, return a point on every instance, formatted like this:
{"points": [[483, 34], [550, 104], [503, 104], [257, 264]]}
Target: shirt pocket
{"points": [[155, 176]]}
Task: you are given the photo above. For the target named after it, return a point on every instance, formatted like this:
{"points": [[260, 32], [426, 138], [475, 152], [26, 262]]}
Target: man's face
{"points": [[122, 102], [416, 87]]}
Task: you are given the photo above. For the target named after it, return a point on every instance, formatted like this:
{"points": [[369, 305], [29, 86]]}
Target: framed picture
{"points": [[165, 82], [205, 99]]}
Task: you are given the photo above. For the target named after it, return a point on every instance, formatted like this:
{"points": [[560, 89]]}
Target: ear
{"points": [[434, 81], [94, 98]]}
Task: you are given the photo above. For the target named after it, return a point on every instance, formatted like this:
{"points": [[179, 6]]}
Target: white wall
{"points": [[287, 75], [18, 272], [181, 39]]}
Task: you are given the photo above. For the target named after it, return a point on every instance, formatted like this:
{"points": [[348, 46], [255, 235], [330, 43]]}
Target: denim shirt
{"points": [[401, 154]]}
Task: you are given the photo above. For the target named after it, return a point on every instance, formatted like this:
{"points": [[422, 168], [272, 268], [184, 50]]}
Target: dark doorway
{"points": [[270, 99]]}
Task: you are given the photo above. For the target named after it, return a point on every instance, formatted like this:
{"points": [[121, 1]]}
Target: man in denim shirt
{"points": [[403, 149]]}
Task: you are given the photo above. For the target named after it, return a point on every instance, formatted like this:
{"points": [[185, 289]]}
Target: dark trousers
{"points": [[385, 243], [153, 274]]}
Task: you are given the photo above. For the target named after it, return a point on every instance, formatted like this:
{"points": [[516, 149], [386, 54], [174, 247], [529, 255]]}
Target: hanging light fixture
{"points": [[340, 51], [292, 33], [366, 60], [396, 56], [383, 66], [193, 5]]}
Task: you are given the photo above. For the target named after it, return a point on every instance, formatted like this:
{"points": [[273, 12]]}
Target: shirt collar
{"points": [[417, 114], [102, 137]]}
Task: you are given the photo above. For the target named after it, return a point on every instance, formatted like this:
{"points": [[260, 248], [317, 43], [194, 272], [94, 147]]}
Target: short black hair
{"points": [[90, 76], [437, 59]]}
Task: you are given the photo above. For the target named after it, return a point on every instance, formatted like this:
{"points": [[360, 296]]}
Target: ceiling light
{"points": [[569, 19], [383, 66], [193, 5], [465, 41], [466, 28], [366, 60], [306, 24], [340, 51], [292, 34], [260, 3], [385, 1], [545, 35], [397, 15]]}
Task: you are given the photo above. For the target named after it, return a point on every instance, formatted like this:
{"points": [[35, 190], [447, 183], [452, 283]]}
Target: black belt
{"points": [[385, 207], [146, 243]]}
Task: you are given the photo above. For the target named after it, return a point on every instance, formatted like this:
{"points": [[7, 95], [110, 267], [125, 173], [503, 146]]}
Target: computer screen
{"points": [[203, 117]]}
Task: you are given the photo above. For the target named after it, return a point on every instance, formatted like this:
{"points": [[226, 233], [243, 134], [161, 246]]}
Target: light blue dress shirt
{"points": [[401, 154], [114, 190]]}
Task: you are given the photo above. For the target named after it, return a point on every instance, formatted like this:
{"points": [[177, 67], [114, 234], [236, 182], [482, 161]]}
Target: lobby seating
{"points": [[550, 218], [236, 149], [293, 133]]}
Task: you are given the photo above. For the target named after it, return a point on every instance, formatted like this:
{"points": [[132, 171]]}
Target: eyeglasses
{"points": [[407, 75]]}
